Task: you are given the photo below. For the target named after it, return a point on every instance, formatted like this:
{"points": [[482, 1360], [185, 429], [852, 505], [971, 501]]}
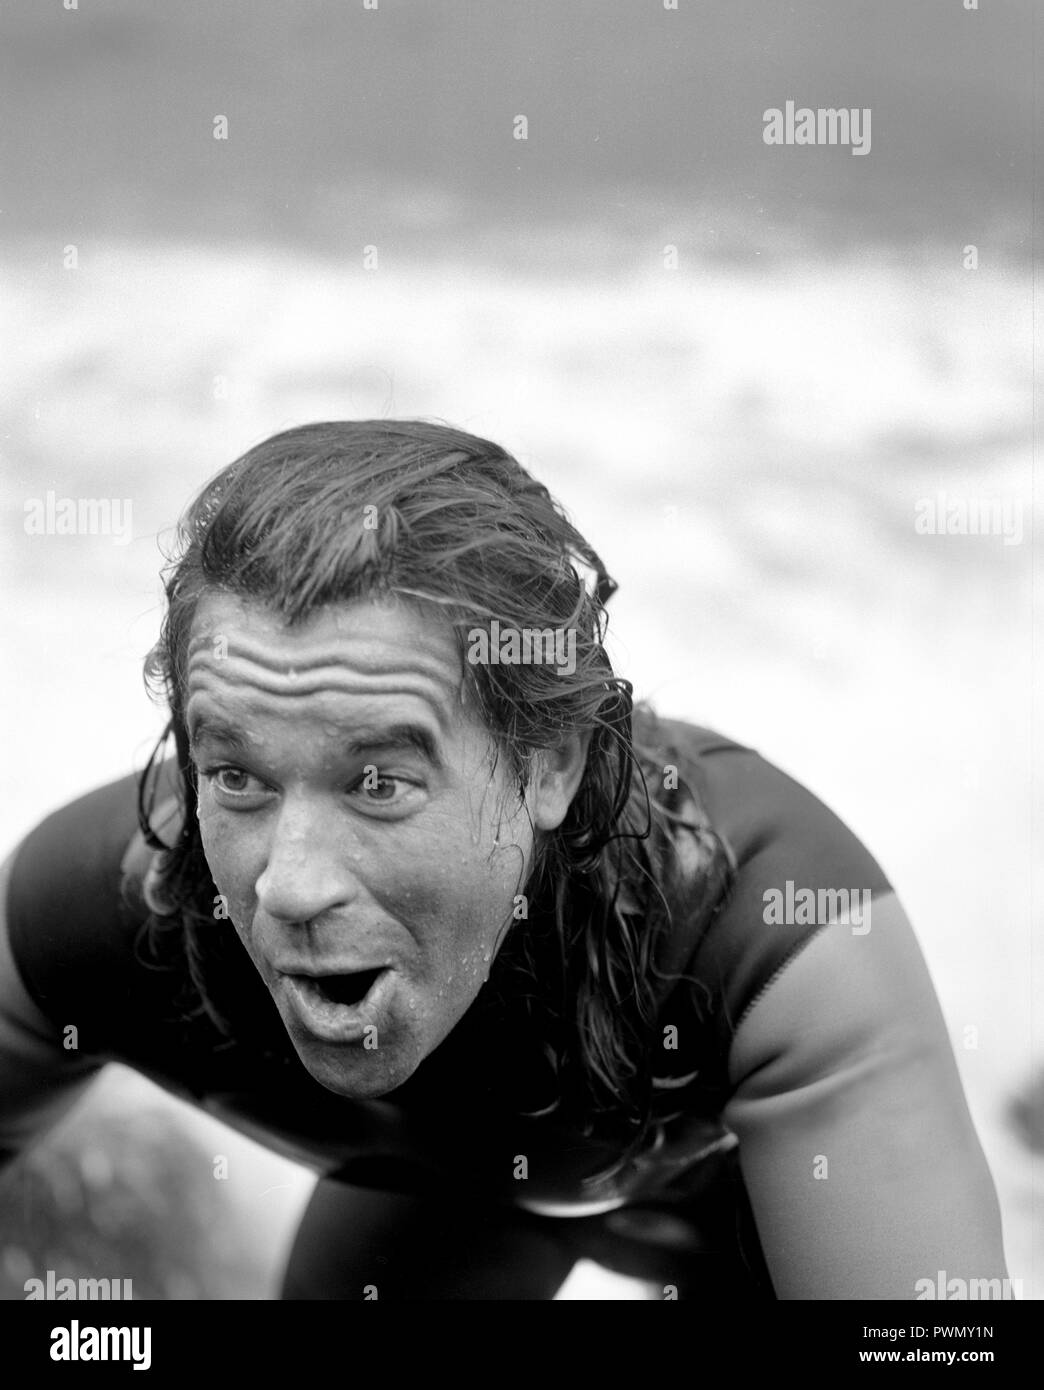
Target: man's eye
{"points": [[233, 781], [378, 787]]}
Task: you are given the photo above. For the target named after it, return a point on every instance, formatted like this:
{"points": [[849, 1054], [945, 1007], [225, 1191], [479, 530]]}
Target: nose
{"points": [[307, 871]]}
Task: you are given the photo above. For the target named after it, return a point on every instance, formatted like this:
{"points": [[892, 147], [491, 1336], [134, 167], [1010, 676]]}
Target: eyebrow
{"points": [[216, 731], [413, 736]]}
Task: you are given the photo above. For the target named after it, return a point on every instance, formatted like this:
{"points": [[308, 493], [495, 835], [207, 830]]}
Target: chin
{"points": [[353, 1073]]}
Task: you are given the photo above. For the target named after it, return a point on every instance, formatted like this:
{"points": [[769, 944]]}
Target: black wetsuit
{"points": [[423, 1194]]}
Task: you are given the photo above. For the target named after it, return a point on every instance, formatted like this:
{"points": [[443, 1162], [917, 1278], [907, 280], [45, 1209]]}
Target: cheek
{"points": [[230, 856], [466, 910]]}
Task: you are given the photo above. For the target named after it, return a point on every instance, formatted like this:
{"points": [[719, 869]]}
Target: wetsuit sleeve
{"points": [[66, 936], [39, 1077], [860, 1158]]}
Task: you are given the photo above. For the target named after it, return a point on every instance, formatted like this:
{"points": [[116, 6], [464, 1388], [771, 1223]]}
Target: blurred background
{"points": [[740, 366]]}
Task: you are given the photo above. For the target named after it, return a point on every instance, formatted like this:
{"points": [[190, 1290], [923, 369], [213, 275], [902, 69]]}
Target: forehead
{"points": [[344, 656]]}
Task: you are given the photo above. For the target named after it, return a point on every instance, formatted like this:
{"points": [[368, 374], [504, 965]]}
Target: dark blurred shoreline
{"points": [[350, 126]]}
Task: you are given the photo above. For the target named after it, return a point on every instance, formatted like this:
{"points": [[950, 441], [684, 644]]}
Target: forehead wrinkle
{"points": [[218, 681], [331, 680], [354, 653], [201, 647], [432, 684]]}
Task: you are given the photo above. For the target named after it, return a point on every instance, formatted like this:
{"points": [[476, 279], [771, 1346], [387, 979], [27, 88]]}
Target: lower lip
{"points": [[337, 1023]]}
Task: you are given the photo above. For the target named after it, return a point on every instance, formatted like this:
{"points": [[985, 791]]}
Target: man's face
{"points": [[368, 854]]}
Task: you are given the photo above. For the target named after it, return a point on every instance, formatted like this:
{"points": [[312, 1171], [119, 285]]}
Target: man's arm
{"points": [[39, 1078], [859, 1154]]}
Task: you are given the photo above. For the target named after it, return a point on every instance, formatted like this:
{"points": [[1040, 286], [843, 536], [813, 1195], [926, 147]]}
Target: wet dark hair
{"points": [[334, 512]]}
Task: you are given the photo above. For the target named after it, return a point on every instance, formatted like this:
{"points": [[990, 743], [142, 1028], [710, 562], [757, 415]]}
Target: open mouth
{"points": [[342, 1007], [343, 989]]}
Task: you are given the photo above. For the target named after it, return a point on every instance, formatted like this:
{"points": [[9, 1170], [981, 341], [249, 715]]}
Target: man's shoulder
{"points": [[794, 862], [770, 821]]}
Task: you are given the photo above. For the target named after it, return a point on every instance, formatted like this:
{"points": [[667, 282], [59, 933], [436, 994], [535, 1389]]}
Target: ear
{"points": [[559, 773]]}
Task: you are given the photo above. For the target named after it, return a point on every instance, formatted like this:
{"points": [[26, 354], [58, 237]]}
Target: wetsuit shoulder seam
{"points": [[782, 965]]}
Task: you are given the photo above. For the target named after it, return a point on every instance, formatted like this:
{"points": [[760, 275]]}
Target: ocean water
{"points": [[747, 446]]}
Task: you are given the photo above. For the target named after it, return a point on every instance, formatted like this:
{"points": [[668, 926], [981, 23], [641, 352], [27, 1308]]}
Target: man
{"points": [[526, 974]]}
